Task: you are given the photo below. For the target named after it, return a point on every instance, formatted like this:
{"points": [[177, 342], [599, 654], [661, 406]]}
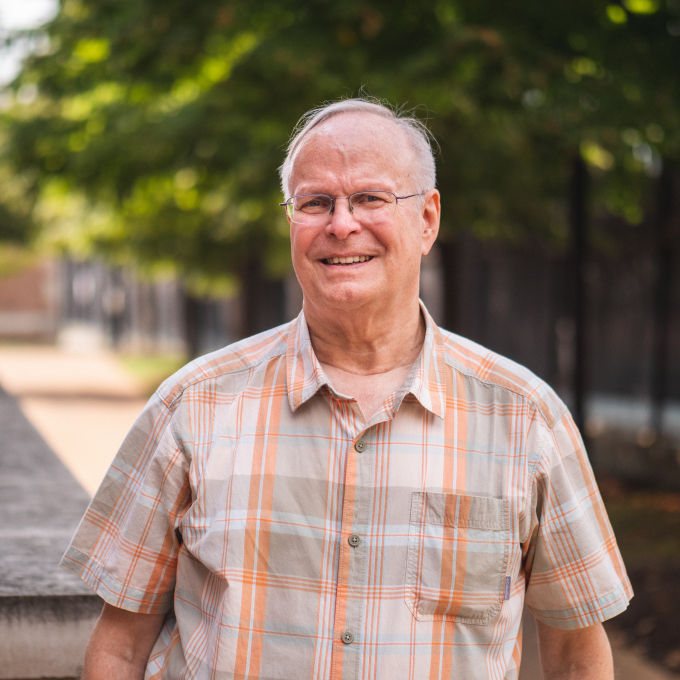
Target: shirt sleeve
{"points": [[575, 574], [127, 544]]}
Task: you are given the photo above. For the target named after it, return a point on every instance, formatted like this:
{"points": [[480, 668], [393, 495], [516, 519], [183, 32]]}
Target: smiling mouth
{"points": [[347, 260]]}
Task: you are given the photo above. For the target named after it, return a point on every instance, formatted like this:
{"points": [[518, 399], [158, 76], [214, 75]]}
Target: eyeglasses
{"points": [[310, 208]]}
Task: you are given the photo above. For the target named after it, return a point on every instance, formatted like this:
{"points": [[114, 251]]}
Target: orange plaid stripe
{"points": [[232, 501]]}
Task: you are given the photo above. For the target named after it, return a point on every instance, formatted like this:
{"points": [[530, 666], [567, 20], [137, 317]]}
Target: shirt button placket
{"points": [[353, 560]]}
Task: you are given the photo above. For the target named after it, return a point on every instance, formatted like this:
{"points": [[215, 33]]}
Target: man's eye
{"points": [[368, 198], [313, 204]]}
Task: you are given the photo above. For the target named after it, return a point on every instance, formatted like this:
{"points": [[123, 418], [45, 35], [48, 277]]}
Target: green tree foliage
{"points": [[155, 129]]}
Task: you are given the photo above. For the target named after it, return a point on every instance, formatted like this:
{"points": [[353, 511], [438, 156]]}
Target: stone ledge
{"points": [[46, 614], [45, 635]]}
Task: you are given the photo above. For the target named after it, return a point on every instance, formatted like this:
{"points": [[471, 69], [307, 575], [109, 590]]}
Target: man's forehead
{"points": [[357, 138], [348, 127]]}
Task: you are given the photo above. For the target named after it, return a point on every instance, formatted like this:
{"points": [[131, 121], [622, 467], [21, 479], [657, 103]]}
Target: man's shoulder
{"points": [[232, 360], [482, 364]]}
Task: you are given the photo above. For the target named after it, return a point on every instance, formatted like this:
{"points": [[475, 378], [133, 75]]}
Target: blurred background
{"points": [[140, 227]]}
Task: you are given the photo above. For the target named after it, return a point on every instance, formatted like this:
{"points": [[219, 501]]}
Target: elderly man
{"points": [[357, 493]]}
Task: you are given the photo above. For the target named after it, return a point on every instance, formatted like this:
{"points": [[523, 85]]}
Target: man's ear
{"points": [[430, 214]]}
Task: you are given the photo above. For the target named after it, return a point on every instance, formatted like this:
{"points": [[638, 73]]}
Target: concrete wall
{"points": [[45, 636], [46, 614]]}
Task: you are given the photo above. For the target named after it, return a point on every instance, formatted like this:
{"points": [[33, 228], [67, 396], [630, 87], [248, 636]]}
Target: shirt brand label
{"points": [[506, 593]]}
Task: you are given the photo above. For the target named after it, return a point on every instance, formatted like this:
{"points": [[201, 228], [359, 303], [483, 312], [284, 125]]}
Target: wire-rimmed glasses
{"points": [[369, 204]]}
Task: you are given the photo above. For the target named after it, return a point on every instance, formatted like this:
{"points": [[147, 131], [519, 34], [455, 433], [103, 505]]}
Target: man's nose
{"points": [[342, 221]]}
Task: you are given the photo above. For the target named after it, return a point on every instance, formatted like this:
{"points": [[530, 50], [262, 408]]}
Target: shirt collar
{"points": [[426, 381]]}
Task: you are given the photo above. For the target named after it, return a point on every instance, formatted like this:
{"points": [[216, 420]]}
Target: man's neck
{"points": [[363, 343], [368, 357]]}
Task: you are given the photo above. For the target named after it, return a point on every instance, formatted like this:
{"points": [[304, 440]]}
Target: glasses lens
{"points": [[372, 200], [305, 207]]}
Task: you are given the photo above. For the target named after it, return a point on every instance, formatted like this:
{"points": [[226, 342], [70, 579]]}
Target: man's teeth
{"points": [[347, 260]]}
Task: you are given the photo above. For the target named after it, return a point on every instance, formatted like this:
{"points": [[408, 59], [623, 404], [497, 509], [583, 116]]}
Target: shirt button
{"points": [[360, 445], [354, 540], [347, 637]]}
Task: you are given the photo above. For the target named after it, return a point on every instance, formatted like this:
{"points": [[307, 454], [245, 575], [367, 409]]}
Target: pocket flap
{"points": [[473, 512]]}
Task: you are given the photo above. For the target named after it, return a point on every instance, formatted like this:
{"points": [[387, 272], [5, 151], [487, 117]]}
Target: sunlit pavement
{"points": [[83, 404]]}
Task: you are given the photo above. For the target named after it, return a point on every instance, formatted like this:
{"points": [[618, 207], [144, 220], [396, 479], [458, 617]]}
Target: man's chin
{"points": [[346, 298]]}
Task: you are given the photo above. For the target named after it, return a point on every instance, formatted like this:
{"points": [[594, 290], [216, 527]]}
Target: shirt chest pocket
{"points": [[457, 557]]}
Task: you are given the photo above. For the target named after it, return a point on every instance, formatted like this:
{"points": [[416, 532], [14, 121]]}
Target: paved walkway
{"points": [[46, 613], [84, 404], [40, 507]]}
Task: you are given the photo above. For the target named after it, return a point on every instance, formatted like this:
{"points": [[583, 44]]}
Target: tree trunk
{"points": [[250, 275], [450, 268], [579, 228], [192, 324], [662, 295], [262, 299]]}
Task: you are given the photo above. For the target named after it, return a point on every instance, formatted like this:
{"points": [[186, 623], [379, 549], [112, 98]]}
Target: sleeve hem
{"points": [[112, 592], [587, 613]]}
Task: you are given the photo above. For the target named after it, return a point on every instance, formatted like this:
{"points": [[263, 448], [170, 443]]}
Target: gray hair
{"points": [[424, 173]]}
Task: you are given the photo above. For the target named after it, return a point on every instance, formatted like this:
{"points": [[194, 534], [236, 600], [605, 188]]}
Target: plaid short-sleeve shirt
{"points": [[287, 538]]}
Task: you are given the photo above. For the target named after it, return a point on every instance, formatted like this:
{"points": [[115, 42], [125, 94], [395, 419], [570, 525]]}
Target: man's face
{"points": [[348, 153]]}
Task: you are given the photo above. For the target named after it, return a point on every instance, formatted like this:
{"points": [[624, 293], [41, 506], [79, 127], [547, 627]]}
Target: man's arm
{"points": [[582, 654], [120, 645]]}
